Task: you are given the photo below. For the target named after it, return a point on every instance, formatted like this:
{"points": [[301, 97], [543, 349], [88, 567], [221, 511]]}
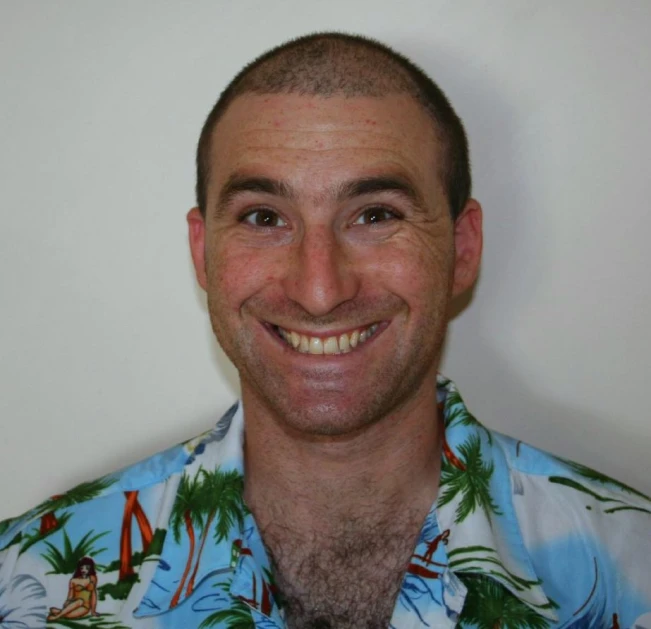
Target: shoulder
{"points": [[582, 529], [54, 512], [115, 524], [573, 483]]}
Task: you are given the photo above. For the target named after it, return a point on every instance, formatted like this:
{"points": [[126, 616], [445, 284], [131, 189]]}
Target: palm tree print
{"points": [[51, 521], [132, 509], [4, 526], [454, 412], [238, 616], [221, 497], [490, 605], [81, 493], [616, 504], [448, 453], [201, 500], [187, 512], [602, 479], [471, 480], [466, 558]]}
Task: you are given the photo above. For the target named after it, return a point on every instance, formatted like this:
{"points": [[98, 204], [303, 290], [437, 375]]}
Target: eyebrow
{"points": [[238, 184], [381, 183]]}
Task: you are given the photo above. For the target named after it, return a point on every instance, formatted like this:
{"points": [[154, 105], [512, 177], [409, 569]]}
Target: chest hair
{"points": [[346, 578]]}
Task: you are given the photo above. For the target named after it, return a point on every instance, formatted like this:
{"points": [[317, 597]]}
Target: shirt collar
{"points": [[203, 541], [474, 504]]}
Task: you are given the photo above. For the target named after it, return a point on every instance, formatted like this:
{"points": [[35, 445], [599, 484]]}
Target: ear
{"points": [[468, 241], [197, 238]]}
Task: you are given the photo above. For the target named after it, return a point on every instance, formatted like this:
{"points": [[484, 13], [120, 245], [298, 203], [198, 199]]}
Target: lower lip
{"points": [[342, 355]]}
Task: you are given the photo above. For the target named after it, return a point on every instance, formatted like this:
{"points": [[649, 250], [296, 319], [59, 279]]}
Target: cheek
{"points": [[417, 271], [236, 273]]}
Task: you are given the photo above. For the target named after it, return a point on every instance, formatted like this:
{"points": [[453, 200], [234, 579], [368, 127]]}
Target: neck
{"points": [[393, 464]]}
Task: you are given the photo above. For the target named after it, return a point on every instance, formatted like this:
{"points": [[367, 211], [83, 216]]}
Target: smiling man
{"points": [[350, 487]]}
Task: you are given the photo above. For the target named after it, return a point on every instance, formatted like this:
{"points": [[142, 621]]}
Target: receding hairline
{"points": [[326, 65], [240, 101], [338, 64], [244, 115]]}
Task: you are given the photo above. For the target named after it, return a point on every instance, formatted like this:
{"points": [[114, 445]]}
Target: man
{"points": [[350, 487]]}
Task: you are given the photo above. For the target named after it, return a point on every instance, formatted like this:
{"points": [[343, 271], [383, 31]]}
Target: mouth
{"points": [[342, 343]]}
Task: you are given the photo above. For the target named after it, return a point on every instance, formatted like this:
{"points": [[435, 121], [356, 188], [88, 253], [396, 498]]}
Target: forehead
{"points": [[312, 138]]}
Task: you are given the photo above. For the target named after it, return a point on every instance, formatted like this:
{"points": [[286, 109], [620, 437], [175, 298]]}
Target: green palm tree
{"points": [[489, 605], [47, 510], [457, 413], [4, 526], [471, 479], [602, 479], [221, 497], [187, 512], [466, 558], [615, 505], [81, 493], [237, 617]]}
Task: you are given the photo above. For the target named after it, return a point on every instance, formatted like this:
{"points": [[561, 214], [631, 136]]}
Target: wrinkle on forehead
{"points": [[302, 119], [312, 136]]}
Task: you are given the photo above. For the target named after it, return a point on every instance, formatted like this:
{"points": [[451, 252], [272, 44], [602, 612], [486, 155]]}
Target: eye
{"points": [[377, 214], [263, 218]]}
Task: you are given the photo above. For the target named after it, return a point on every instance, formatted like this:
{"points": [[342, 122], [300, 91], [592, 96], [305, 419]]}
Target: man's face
{"points": [[327, 224]]}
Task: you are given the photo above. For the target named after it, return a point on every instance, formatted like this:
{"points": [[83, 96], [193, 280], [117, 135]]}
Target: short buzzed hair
{"points": [[330, 64]]}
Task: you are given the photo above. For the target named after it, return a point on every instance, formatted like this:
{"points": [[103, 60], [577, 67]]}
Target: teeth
{"points": [[316, 345], [330, 345]]}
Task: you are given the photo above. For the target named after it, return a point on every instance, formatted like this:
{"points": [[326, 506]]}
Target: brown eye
{"points": [[373, 215], [263, 218]]}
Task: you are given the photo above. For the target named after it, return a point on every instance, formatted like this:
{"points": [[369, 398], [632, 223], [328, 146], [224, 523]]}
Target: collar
{"points": [[474, 505], [211, 535]]}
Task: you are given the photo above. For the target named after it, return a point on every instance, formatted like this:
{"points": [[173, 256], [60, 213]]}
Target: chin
{"points": [[327, 418]]}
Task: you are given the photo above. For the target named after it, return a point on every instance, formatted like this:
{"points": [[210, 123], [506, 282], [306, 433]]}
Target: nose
{"points": [[321, 273]]}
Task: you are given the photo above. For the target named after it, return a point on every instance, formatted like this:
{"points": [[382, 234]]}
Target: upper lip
{"points": [[325, 333]]}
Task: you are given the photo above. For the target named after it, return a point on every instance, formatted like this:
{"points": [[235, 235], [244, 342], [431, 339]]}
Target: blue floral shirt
{"points": [[517, 538]]}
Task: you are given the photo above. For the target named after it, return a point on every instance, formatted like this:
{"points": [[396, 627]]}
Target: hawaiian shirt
{"points": [[516, 538]]}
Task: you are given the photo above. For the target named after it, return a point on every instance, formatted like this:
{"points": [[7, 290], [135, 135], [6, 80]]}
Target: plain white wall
{"points": [[106, 351]]}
